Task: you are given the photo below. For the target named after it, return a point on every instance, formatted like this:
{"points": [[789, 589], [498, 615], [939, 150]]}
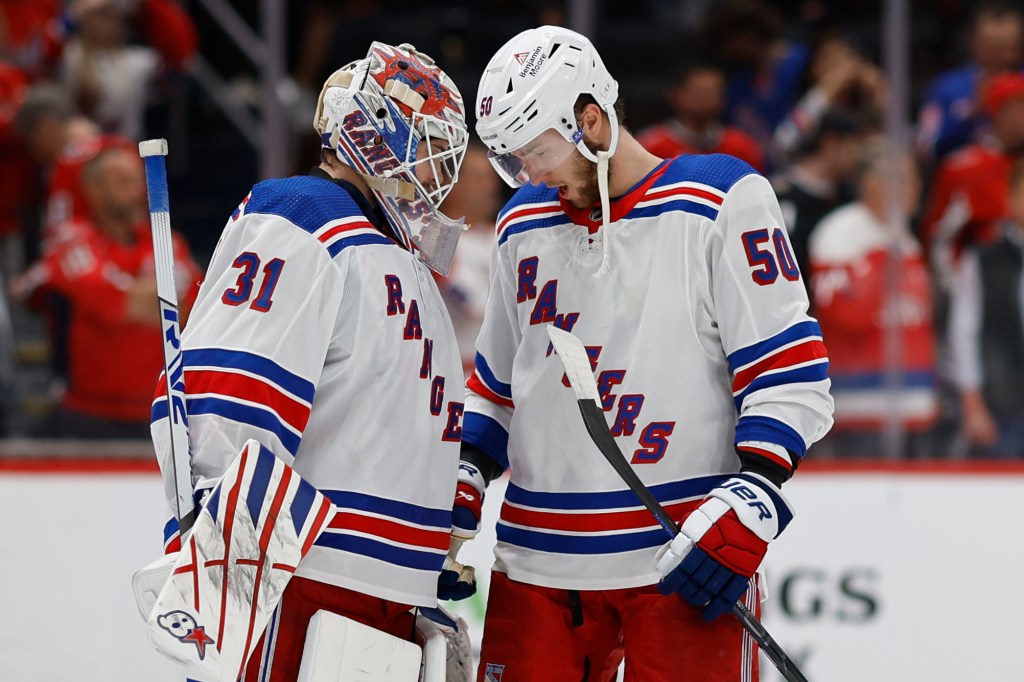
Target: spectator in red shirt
{"points": [[107, 276], [61, 141], [971, 188], [31, 35], [698, 103]]}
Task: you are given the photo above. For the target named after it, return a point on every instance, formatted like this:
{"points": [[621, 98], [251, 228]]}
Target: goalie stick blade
{"points": [[576, 362]]}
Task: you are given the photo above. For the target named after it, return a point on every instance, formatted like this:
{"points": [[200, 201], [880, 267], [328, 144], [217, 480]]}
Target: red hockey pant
{"points": [[540, 634]]}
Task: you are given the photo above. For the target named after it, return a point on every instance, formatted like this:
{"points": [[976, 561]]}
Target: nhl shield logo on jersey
{"points": [[184, 628], [493, 672]]}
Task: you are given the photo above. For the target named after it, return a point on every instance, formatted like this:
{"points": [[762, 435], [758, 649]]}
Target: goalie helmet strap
{"points": [[404, 94], [390, 187]]}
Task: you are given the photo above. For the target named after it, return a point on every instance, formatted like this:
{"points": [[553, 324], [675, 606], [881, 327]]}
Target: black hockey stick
{"points": [[577, 368]]}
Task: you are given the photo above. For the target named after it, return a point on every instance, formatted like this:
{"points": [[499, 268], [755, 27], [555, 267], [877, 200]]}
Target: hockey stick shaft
{"points": [[153, 153], [576, 362]]}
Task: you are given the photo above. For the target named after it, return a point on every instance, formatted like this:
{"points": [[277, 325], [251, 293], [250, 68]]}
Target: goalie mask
{"points": [[397, 120], [526, 98]]}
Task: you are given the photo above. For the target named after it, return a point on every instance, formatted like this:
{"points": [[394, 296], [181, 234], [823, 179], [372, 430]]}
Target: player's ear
{"points": [[592, 121]]}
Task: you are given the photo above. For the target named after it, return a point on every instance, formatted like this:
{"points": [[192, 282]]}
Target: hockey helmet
{"points": [[395, 118], [526, 97]]}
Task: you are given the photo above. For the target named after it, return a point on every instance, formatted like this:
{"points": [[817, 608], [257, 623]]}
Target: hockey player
{"points": [[319, 332], [679, 278]]}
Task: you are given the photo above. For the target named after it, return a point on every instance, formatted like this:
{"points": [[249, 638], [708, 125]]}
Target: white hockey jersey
{"points": [[701, 343], [324, 340]]}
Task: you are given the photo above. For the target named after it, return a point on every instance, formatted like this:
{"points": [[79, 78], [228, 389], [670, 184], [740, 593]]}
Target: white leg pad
{"points": [[147, 582], [435, 651], [447, 651], [339, 649]]}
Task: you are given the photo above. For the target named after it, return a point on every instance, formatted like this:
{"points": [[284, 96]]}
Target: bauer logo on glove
{"points": [[722, 542]]}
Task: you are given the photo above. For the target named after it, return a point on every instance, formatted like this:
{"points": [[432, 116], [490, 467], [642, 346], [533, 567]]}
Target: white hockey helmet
{"points": [[526, 97], [388, 116]]}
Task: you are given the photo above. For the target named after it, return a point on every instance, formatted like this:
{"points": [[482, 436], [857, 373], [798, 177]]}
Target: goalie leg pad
{"points": [[339, 649], [257, 524]]}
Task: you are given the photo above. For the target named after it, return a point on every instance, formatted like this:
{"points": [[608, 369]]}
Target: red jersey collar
{"points": [[620, 206]]}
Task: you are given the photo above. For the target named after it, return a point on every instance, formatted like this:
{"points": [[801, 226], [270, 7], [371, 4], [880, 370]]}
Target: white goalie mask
{"points": [[526, 97], [397, 120]]}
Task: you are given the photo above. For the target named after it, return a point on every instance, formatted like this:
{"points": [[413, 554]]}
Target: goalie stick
{"points": [[576, 362], [153, 153]]}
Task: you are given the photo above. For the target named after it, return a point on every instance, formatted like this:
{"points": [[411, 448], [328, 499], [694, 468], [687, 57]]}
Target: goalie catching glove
{"points": [[722, 542]]}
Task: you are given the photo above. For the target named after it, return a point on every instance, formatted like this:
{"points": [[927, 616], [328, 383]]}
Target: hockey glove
{"points": [[469, 500], [456, 581], [722, 542]]}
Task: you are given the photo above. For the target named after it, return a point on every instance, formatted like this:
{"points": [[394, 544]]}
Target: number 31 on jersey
{"points": [[249, 263]]}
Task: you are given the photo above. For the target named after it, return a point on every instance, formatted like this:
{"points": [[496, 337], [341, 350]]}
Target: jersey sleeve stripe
{"points": [[802, 352], [486, 376], [743, 357], [781, 459], [172, 538], [475, 384], [486, 434], [227, 359], [228, 385], [801, 374], [251, 415], [770, 430]]}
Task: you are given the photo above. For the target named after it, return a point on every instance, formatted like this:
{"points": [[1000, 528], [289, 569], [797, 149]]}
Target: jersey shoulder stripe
{"points": [[318, 207], [532, 207], [692, 183], [719, 172], [686, 196]]}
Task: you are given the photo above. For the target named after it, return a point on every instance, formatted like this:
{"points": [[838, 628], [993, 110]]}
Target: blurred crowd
{"points": [[912, 251]]}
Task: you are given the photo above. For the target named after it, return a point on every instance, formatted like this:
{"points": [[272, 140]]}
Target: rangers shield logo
{"points": [[493, 672]]}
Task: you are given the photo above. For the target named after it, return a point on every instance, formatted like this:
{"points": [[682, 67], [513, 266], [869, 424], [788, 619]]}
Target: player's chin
{"points": [[573, 198]]}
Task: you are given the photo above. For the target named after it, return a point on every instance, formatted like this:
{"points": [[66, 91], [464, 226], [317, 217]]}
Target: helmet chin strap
{"points": [[602, 159], [602, 188]]}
